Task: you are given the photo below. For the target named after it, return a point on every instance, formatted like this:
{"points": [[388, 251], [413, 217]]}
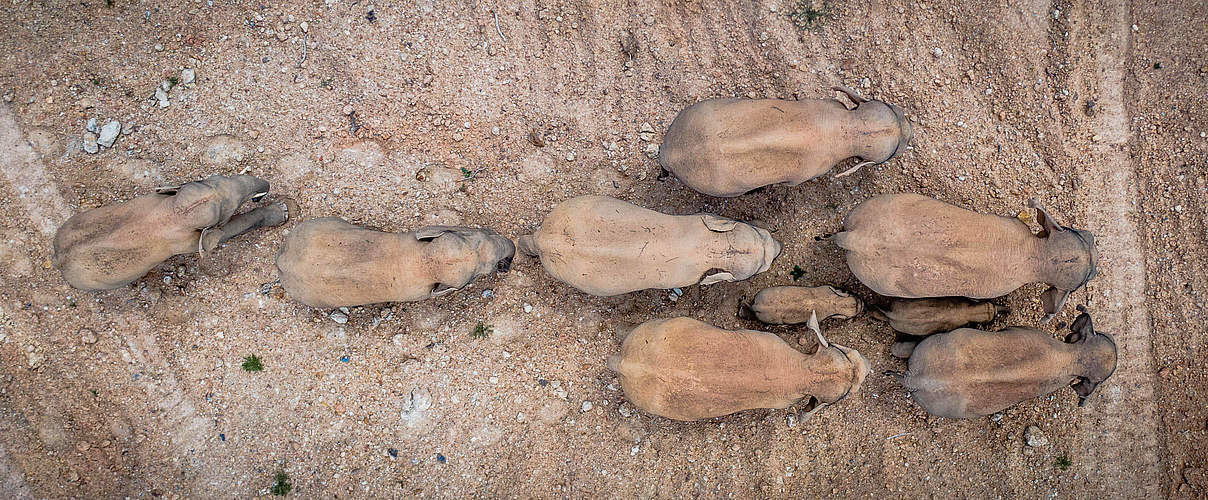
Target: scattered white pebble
{"points": [[937, 52], [587, 406], [339, 317]]}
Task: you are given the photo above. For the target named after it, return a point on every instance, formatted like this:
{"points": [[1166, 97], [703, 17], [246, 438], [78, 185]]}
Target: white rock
{"points": [[304, 26], [109, 133], [91, 126], [937, 52], [339, 317], [90, 143], [187, 76], [1034, 436], [587, 406]]}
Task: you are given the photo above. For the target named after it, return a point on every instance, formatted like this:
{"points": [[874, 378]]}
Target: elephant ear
{"points": [[718, 224], [428, 233], [1053, 300], [1047, 223], [717, 278]]}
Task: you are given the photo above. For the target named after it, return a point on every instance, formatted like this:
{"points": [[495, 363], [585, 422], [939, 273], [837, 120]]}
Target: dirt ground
{"points": [[374, 113]]}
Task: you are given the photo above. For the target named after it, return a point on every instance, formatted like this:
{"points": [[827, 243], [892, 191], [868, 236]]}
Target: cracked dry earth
{"points": [[1096, 108]]}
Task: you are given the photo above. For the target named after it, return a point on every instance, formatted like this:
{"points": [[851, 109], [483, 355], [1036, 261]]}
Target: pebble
{"points": [[304, 26], [159, 47], [127, 128], [587, 406], [398, 339], [109, 133], [90, 145], [937, 52], [187, 76], [348, 109], [338, 317], [35, 359], [648, 21], [161, 97], [528, 308], [570, 156], [646, 132], [393, 452], [83, 446], [87, 336], [457, 137], [652, 151], [91, 126], [1035, 437]]}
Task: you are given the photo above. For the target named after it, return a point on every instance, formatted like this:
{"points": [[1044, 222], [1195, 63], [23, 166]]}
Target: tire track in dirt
{"points": [[23, 168], [1118, 435]]}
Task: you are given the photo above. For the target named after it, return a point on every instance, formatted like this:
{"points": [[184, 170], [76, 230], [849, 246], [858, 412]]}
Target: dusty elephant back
{"points": [[110, 246], [968, 373], [781, 305], [604, 246], [684, 369], [912, 246], [329, 262], [768, 141]]}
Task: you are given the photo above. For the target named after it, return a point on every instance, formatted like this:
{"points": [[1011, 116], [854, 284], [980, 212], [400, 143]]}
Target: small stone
{"points": [[109, 133], [159, 47], [8, 97], [937, 52], [1135, 28], [528, 308], [90, 145], [997, 417], [398, 339], [652, 151], [648, 21], [161, 97], [646, 132], [187, 76], [83, 446], [127, 128], [393, 452], [338, 317], [73, 476], [570, 156], [348, 109], [304, 26], [35, 359], [91, 126], [587, 406], [87, 336], [1035, 437]]}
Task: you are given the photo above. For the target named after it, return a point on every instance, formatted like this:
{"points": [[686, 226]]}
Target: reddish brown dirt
{"points": [[159, 406]]}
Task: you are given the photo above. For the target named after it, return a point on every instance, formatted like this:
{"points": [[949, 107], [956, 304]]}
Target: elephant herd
{"points": [[933, 259]]}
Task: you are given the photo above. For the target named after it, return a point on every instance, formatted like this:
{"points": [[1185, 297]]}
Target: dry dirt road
{"points": [[375, 112]]}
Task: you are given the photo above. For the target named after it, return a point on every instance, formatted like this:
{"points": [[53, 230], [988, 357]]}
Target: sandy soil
{"points": [[139, 392]]}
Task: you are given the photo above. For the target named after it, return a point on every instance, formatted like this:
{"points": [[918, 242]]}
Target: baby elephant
{"points": [[604, 246], [114, 245], [328, 262], [727, 147], [912, 246], [970, 373], [683, 369], [787, 305], [928, 316]]}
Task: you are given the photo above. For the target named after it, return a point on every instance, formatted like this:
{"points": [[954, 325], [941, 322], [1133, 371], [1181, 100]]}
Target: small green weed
{"points": [[326, 83], [109, 3], [797, 272], [252, 363], [172, 81], [281, 487], [467, 173], [94, 393], [96, 81], [807, 18], [1063, 462], [482, 330]]}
